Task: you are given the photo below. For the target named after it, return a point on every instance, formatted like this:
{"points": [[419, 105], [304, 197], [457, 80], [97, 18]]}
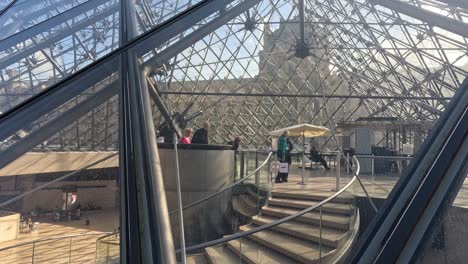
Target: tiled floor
{"points": [[83, 248], [379, 186], [80, 249]]}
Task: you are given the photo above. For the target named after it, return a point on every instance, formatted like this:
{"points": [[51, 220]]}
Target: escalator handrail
{"points": [[277, 222], [226, 188]]}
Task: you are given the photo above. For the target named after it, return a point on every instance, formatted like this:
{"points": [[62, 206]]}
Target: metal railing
{"points": [[220, 213], [65, 248], [347, 193], [108, 249], [387, 165]]}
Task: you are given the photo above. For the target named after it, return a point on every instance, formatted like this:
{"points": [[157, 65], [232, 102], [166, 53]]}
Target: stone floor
{"points": [[83, 248], [79, 249], [378, 186]]}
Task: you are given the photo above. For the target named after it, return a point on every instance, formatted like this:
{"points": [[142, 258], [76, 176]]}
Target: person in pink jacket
{"points": [[186, 138]]}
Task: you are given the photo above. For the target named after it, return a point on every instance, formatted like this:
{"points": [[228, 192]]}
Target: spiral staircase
{"points": [[324, 235]]}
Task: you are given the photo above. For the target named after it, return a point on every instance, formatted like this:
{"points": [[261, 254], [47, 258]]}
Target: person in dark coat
{"points": [[235, 143], [316, 157], [201, 135]]}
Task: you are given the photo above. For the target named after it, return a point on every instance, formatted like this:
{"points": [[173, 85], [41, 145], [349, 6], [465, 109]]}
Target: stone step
{"points": [[197, 259], [255, 253], [329, 237], [307, 195], [330, 207], [245, 205], [298, 249], [332, 221], [221, 254]]}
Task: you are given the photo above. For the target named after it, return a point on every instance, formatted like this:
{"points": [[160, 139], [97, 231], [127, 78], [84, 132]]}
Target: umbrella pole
{"points": [[303, 158]]}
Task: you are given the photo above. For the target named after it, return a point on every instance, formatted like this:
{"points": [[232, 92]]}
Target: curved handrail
{"points": [[101, 239], [55, 238], [277, 222], [226, 188]]}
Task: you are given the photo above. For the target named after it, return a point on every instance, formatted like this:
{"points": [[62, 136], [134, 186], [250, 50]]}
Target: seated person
{"points": [[316, 157], [30, 224]]}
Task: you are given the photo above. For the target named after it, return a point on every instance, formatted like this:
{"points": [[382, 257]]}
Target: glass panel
{"points": [[4, 4], [446, 242], [59, 191], [154, 12], [220, 214], [25, 14], [39, 55]]}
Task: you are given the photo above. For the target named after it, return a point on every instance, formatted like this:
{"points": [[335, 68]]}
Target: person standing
{"points": [[282, 155], [201, 135], [186, 138], [236, 143]]}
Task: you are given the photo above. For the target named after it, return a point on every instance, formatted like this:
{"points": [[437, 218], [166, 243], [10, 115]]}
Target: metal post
{"points": [[400, 166], [303, 157], [32, 256], [236, 171], [270, 176], [320, 236], [155, 228], [242, 160], [257, 174], [347, 163], [107, 253], [338, 171], [258, 198], [372, 165], [69, 251], [277, 168], [270, 170], [179, 202]]}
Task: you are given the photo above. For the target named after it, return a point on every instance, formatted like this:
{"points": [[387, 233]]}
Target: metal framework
{"points": [[102, 74], [361, 58]]}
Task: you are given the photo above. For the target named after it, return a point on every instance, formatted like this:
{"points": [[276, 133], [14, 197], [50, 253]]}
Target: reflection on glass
{"points": [[59, 191]]}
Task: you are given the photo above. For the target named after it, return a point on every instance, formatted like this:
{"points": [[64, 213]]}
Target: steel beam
{"points": [[15, 57], [162, 107], [156, 239], [197, 35], [54, 96], [50, 23], [7, 7], [43, 103], [431, 18], [455, 3], [183, 22], [18, 18], [334, 96]]}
